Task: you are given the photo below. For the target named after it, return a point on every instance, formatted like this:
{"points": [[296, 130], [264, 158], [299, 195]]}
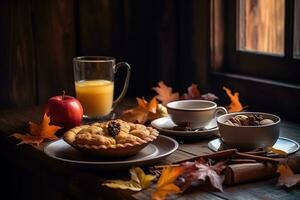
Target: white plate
{"points": [[285, 144], [157, 150], [165, 126]]}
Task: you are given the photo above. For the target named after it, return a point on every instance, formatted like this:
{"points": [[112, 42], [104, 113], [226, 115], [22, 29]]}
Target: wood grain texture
{"points": [[54, 31], [71, 182], [17, 54]]}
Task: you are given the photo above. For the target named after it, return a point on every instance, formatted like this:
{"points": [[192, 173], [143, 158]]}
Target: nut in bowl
{"points": [[194, 113], [114, 138], [249, 130]]}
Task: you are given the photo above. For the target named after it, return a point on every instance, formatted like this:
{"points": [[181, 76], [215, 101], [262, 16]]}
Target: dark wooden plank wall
{"points": [[160, 39]]}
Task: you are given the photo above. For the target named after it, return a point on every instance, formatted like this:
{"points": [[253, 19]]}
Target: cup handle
{"points": [[124, 90], [220, 111]]}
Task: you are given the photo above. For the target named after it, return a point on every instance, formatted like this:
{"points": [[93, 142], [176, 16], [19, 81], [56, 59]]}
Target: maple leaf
{"points": [[165, 94], [235, 105], [165, 185], [38, 132], [209, 97], [287, 177], [135, 115], [194, 93], [139, 180], [199, 171], [144, 111]]}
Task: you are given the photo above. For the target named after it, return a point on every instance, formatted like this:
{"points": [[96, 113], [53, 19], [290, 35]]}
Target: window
{"points": [[261, 26], [261, 38]]}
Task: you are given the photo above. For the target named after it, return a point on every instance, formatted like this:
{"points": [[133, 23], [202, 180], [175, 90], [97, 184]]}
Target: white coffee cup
{"points": [[194, 113]]}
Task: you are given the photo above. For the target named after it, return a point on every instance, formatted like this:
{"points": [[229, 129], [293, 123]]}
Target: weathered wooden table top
{"points": [[33, 174]]}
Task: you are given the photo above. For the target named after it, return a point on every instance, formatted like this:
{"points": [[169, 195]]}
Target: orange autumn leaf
{"points": [[38, 132], [150, 107], [135, 115], [145, 111], [165, 185], [165, 94], [142, 103], [287, 177], [235, 105]]}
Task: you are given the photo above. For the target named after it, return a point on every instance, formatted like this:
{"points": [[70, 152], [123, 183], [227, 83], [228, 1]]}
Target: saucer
{"points": [[285, 144], [165, 126]]}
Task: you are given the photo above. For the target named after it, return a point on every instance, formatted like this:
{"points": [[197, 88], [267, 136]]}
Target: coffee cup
{"points": [[194, 113]]}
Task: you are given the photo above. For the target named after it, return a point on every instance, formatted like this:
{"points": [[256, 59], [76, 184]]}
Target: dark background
{"points": [[167, 40], [161, 39]]}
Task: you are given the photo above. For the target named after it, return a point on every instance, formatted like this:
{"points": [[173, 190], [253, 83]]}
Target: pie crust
{"points": [[114, 138]]}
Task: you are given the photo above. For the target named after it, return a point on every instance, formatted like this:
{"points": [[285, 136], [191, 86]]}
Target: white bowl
{"points": [[195, 113], [249, 137]]}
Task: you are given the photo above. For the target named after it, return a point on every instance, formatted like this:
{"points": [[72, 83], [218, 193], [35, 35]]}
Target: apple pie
{"points": [[114, 138]]}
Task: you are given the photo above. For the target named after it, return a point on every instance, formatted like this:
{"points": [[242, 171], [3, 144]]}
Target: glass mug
{"points": [[94, 84]]}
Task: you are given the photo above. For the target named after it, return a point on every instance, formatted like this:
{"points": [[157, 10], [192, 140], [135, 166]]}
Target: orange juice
{"points": [[96, 96]]}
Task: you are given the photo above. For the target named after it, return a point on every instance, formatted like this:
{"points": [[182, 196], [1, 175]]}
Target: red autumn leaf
{"points": [[199, 171], [235, 105], [165, 94], [194, 93], [165, 185], [287, 177], [38, 132]]}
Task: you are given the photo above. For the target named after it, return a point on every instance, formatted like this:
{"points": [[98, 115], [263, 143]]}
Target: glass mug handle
{"points": [[124, 90], [220, 111]]}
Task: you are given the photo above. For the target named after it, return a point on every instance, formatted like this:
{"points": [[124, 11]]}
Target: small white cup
{"points": [[195, 113]]}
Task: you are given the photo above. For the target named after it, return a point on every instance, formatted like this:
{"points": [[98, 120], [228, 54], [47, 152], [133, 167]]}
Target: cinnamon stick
{"points": [[257, 158], [239, 161], [256, 152], [220, 155], [163, 166]]}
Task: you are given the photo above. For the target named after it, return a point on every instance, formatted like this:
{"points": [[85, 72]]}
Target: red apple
{"points": [[64, 111]]}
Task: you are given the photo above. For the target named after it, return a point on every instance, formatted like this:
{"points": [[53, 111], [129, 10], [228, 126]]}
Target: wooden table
{"points": [[28, 173]]}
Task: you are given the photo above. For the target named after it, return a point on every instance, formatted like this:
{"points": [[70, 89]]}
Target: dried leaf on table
{"points": [[136, 115], [144, 111], [165, 94], [199, 171], [38, 132], [277, 151], [194, 93], [287, 177], [165, 185], [139, 180], [235, 105]]}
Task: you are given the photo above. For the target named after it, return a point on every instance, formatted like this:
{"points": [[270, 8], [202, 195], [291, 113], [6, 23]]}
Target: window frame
{"points": [[284, 68]]}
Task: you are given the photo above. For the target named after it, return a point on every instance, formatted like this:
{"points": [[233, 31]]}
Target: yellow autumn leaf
{"points": [[287, 177], [139, 180], [277, 151], [165, 185]]}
